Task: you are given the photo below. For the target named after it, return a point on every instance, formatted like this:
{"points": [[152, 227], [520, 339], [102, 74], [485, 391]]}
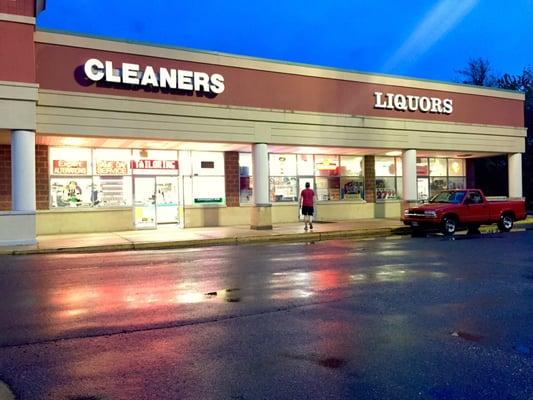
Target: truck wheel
{"points": [[449, 226], [506, 223]]}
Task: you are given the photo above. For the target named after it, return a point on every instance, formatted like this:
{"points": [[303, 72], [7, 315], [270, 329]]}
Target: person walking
{"points": [[307, 199]]}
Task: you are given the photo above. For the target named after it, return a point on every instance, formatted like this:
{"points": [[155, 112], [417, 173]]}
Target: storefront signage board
{"points": [[171, 78], [154, 164], [400, 102], [68, 167], [113, 168]]}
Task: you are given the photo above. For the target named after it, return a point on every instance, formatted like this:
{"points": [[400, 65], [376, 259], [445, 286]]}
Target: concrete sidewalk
{"points": [[170, 237]]}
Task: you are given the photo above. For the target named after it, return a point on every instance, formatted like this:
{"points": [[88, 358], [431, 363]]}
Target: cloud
{"points": [[437, 23]]}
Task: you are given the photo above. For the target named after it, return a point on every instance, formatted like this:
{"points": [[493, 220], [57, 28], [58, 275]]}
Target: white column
{"points": [[23, 170], [409, 175], [260, 174], [515, 175]]}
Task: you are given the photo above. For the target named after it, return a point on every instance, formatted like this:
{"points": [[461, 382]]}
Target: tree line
{"points": [[491, 173]]}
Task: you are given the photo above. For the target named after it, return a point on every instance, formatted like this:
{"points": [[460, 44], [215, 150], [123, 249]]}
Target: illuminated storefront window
{"points": [[327, 172], [112, 182], [102, 177], [456, 174], [283, 182], [71, 180], [333, 177], [388, 178], [351, 181], [436, 174], [207, 183]]}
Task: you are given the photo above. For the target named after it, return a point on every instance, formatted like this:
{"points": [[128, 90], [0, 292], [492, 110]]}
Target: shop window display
{"points": [[386, 178], [328, 188], [336, 177], [283, 189], [283, 181], [72, 192], [71, 182], [456, 167], [351, 188], [112, 185], [437, 184], [456, 183], [436, 174], [101, 177], [111, 191], [386, 188]]}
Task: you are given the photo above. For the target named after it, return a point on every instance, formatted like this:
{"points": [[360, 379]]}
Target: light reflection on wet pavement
{"points": [[120, 296], [389, 319]]}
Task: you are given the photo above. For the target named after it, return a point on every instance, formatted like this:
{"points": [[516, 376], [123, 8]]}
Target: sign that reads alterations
{"points": [[169, 78], [69, 167], [400, 102]]}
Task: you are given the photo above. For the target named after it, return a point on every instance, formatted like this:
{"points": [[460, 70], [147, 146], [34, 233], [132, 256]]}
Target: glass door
{"points": [[144, 202], [167, 202]]}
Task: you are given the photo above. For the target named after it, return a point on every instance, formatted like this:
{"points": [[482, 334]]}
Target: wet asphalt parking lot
{"points": [[396, 318]]}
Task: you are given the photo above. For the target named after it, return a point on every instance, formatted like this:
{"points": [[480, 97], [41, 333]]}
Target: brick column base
{"points": [[370, 179], [232, 178]]}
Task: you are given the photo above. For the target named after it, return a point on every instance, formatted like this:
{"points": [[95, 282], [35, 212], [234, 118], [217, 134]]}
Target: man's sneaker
{"points": [[305, 228], [310, 225]]}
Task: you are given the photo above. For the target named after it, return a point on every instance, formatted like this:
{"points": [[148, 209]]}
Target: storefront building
{"points": [[101, 135]]}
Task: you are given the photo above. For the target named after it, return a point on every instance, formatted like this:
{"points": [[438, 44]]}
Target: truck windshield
{"points": [[454, 197]]}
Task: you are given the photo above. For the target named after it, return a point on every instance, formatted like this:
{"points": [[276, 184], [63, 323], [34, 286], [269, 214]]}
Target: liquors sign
{"points": [[400, 102]]}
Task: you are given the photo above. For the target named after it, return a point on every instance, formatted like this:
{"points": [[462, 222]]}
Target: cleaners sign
{"points": [[170, 78], [400, 102]]}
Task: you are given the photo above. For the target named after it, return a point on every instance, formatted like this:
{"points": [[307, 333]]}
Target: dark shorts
{"points": [[306, 210]]}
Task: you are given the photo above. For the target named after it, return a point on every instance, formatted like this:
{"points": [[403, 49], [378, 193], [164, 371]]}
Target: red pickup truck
{"points": [[449, 210]]}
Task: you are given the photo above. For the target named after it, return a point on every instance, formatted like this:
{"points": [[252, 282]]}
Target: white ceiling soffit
{"points": [[241, 147]]}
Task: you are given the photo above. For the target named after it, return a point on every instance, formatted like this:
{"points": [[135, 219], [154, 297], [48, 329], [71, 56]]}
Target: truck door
{"points": [[477, 210]]}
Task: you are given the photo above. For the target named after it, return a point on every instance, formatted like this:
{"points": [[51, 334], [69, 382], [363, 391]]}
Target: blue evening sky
{"points": [[425, 39]]}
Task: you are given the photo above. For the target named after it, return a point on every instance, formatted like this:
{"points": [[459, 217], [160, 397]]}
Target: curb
{"points": [[227, 241], [180, 244]]}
